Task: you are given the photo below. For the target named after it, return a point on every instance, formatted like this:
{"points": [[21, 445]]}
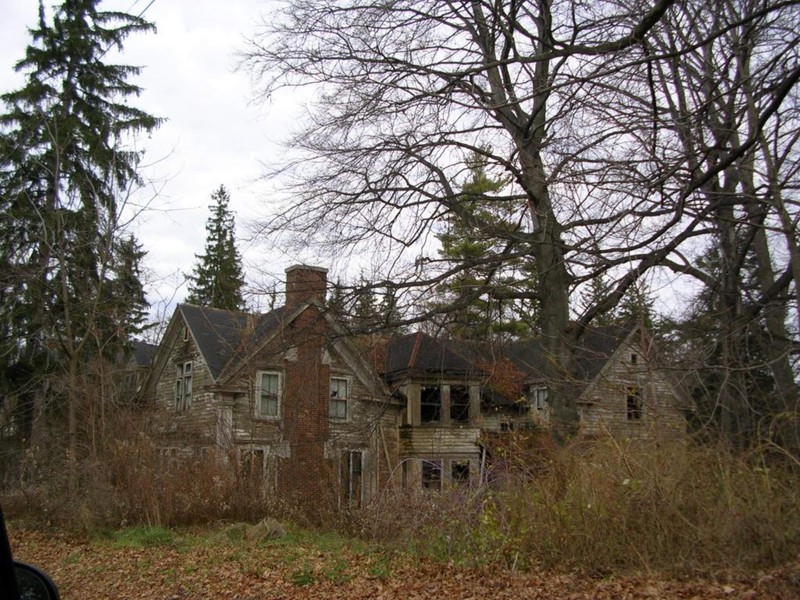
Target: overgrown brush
{"points": [[604, 506], [132, 482]]}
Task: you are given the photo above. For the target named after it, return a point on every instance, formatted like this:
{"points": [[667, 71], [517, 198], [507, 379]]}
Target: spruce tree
{"points": [[64, 164], [217, 279], [467, 241]]}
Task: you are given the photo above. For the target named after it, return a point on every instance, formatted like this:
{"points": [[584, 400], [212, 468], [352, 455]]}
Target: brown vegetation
{"points": [[603, 507]]}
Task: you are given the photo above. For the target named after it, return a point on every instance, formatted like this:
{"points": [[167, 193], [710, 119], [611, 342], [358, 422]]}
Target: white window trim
{"points": [[349, 384], [257, 396], [361, 482]]}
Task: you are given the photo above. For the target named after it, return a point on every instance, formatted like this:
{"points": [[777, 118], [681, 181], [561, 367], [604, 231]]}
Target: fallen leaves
{"points": [[208, 567]]}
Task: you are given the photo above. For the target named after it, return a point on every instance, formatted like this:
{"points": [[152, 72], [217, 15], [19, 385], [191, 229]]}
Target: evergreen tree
{"points": [[63, 166], [217, 279], [481, 282]]}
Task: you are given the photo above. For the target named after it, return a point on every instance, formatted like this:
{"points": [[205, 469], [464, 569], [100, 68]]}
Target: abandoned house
{"points": [[289, 396]]}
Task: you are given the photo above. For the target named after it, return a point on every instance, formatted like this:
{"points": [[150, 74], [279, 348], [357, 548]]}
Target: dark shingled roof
{"points": [[422, 353], [143, 353], [219, 333], [594, 350]]}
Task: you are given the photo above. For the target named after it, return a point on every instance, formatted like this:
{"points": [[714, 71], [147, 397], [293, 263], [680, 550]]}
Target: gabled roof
{"points": [[143, 353], [219, 334], [419, 352], [592, 353]]}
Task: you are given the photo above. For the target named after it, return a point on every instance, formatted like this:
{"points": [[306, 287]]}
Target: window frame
{"points": [[351, 480], [432, 474], [257, 400], [634, 406], [339, 400], [460, 411], [429, 409], [184, 395], [541, 396]]}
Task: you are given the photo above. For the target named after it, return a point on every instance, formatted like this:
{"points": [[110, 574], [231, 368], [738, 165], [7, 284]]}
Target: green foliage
{"points": [[217, 279], [475, 240], [142, 537], [70, 287]]}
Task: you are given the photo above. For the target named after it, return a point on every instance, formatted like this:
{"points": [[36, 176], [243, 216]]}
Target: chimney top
{"points": [[305, 283]]}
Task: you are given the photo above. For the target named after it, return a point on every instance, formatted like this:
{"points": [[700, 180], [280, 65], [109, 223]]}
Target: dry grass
{"points": [[601, 506], [609, 507]]}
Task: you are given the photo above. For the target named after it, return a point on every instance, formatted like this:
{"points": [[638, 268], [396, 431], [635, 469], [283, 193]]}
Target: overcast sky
{"points": [[213, 135]]}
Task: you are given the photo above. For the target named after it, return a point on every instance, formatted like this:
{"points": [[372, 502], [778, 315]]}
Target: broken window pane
{"points": [[430, 404], [337, 408], [634, 404], [459, 471], [459, 404], [432, 474]]}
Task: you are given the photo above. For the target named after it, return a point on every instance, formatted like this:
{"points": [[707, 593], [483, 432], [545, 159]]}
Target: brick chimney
{"points": [[304, 283]]}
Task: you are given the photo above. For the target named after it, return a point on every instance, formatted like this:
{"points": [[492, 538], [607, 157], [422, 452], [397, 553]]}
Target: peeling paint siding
{"points": [[196, 425], [431, 440], [603, 404]]}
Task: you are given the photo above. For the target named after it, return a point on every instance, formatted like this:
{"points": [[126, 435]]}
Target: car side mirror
{"points": [[34, 584]]}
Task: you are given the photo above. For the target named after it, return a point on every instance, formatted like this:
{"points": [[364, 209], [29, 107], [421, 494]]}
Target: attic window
{"points": [[185, 333], [633, 359], [430, 404], [459, 404], [634, 404]]}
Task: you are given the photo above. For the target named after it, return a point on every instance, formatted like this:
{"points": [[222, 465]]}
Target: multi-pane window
{"points": [[430, 404], [337, 407], [633, 404], [183, 386], [268, 394], [459, 404], [432, 474]]}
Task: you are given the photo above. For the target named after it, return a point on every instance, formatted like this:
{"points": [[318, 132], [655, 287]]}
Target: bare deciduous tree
{"points": [[563, 98]]}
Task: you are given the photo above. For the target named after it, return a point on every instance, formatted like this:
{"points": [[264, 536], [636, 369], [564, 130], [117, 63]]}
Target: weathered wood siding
{"points": [[603, 405], [196, 425]]}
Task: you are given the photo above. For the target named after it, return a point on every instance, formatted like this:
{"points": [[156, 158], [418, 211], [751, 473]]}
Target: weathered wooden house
{"points": [[288, 395], [284, 394]]}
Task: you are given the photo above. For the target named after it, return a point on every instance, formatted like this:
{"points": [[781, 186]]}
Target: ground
{"points": [[246, 563]]}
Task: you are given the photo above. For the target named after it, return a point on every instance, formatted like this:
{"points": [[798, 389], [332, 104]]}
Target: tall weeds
{"points": [[605, 506]]}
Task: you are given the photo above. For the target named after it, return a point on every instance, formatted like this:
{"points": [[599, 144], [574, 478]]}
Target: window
{"points": [[430, 401], [337, 407], [633, 359], [432, 474], [351, 476], [634, 404], [268, 394], [459, 471], [459, 404], [183, 386], [540, 398]]}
